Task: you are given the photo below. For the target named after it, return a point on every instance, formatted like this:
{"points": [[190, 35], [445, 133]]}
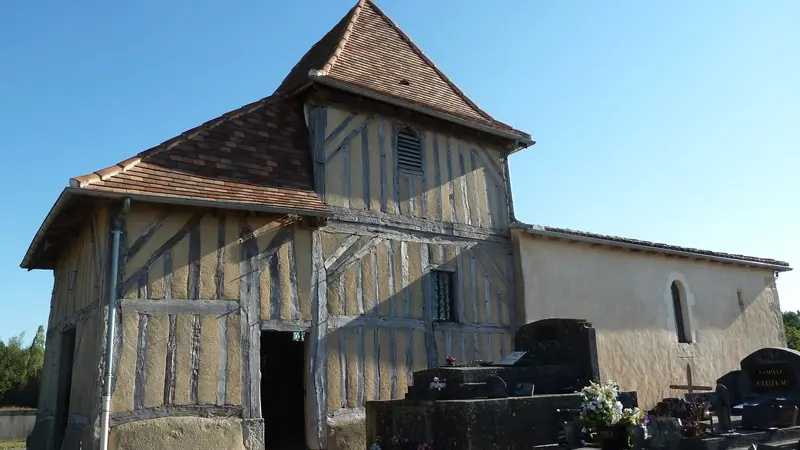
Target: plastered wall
{"points": [[627, 298], [462, 181]]}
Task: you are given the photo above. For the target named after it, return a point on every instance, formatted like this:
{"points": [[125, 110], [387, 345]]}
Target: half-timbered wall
{"points": [[195, 286], [389, 229], [76, 305], [379, 310], [462, 180]]}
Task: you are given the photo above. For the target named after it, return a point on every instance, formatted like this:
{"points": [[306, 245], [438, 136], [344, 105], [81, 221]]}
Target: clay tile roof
{"points": [[657, 247], [257, 154], [366, 49]]}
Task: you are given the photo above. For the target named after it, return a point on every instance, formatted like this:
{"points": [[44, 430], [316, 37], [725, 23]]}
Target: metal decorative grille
{"points": [[443, 283]]}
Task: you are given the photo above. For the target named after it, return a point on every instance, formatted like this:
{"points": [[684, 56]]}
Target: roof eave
{"points": [[70, 193], [521, 141], [63, 202], [632, 246], [182, 201]]}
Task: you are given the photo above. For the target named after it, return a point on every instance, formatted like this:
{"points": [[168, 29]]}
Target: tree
{"points": [[36, 354], [20, 369], [791, 324]]}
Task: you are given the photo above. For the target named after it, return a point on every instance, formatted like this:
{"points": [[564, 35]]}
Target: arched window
{"points": [[678, 302], [409, 151]]}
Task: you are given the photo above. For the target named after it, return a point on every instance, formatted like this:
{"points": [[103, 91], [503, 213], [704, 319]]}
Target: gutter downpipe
{"points": [[507, 179], [111, 326]]}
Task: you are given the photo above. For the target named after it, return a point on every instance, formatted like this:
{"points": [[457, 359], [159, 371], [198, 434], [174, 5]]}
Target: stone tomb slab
{"points": [[520, 423], [785, 438]]}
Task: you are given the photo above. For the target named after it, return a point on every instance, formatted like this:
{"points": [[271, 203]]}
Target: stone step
{"points": [[785, 438]]}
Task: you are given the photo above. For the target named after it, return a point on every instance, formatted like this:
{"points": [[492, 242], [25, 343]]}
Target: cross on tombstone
{"points": [[689, 386]]}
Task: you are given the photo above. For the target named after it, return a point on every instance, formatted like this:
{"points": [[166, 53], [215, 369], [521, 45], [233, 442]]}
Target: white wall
{"points": [[627, 298]]}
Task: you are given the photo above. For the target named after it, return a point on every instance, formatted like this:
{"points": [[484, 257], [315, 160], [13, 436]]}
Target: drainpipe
{"points": [[507, 179], [111, 325]]}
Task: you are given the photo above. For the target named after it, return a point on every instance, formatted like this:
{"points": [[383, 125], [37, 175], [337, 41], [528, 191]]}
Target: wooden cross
{"points": [[689, 386]]}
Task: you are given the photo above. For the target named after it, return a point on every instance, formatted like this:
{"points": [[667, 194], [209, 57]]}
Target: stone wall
{"points": [[16, 425]]}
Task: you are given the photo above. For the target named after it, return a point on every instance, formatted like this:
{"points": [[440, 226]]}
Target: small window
{"points": [[443, 296], [740, 299], [409, 151], [677, 306]]}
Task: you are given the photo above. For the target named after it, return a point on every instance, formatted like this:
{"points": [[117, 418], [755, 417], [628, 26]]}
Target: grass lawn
{"points": [[12, 444], [16, 408]]}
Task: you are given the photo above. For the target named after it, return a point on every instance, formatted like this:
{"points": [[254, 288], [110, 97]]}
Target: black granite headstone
{"points": [[629, 399], [772, 370], [736, 382], [568, 347], [773, 391]]}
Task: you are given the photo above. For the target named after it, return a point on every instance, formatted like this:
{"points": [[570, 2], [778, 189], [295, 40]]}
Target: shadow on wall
{"points": [[618, 290], [466, 317], [375, 164], [379, 329]]}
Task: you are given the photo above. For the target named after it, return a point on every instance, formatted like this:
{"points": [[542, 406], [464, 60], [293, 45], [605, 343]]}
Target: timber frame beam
{"points": [[389, 322]]}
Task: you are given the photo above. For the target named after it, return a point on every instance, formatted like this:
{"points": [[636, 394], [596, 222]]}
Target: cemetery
{"points": [[548, 393]]}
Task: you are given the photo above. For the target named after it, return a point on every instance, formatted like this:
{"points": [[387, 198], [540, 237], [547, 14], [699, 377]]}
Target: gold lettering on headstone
{"points": [[770, 371], [772, 383]]}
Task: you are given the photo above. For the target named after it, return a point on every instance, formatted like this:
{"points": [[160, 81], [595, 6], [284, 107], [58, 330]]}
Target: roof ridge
{"points": [[663, 246], [125, 165], [415, 48], [337, 51]]}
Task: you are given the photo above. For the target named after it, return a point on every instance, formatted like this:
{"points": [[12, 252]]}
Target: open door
{"points": [[283, 389], [66, 357]]}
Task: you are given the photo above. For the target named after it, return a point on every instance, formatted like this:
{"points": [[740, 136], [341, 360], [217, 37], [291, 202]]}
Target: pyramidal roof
{"points": [[257, 157], [368, 50]]}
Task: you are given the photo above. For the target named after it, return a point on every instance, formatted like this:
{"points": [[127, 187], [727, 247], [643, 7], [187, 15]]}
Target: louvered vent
{"points": [[409, 151]]}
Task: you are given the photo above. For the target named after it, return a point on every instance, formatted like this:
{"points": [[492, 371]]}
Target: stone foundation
{"points": [[347, 435], [180, 433]]}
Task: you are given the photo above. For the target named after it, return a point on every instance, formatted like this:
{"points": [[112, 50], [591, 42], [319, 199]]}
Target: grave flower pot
{"points": [[612, 437]]}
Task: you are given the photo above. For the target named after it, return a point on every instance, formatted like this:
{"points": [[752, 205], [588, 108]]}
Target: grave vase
{"points": [[612, 437], [637, 435]]}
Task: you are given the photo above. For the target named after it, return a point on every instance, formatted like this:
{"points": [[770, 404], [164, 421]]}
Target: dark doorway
{"points": [[283, 389], [65, 359]]}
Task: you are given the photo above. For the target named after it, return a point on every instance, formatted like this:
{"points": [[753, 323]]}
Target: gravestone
{"points": [[768, 386], [736, 382], [521, 402], [569, 344], [723, 408], [773, 390]]}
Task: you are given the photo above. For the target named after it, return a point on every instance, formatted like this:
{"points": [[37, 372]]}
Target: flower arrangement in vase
{"points": [[451, 361], [604, 419]]}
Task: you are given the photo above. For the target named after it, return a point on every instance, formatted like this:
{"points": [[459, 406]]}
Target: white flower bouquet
{"points": [[601, 409]]}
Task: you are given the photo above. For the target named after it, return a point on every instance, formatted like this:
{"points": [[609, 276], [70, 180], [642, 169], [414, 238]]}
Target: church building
{"points": [[656, 308], [253, 281], [275, 268]]}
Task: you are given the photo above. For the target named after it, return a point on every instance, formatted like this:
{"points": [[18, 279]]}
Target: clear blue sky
{"points": [[674, 121]]}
